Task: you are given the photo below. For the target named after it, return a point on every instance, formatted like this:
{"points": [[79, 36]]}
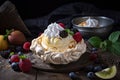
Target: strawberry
{"points": [[25, 65], [26, 46], [77, 36], [62, 25], [14, 58]]}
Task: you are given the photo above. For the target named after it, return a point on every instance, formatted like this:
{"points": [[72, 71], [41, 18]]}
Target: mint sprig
{"points": [[111, 44], [69, 31], [7, 33]]}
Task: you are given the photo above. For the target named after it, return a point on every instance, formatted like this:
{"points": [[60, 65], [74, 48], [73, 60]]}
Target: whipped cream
{"points": [[53, 30], [51, 48], [89, 23]]}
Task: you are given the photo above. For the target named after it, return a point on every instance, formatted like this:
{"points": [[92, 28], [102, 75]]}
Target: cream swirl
{"points": [[53, 30], [89, 23]]}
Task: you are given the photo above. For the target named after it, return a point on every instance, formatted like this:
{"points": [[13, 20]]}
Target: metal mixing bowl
{"points": [[103, 29]]}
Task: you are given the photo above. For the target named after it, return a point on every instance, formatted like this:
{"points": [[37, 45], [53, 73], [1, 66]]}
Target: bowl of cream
{"points": [[93, 25]]}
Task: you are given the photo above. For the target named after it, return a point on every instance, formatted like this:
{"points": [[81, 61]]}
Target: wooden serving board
{"points": [[74, 66]]}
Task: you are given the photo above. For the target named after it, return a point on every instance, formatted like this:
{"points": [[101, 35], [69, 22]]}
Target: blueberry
{"points": [[15, 66], [5, 54], [94, 49], [18, 48], [90, 75], [97, 68], [20, 53], [73, 76]]}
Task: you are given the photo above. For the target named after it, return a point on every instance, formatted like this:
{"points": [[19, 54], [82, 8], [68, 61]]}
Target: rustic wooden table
{"points": [[6, 73]]}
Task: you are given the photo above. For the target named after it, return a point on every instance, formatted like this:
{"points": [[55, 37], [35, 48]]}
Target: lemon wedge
{"points": [[107, 73]]}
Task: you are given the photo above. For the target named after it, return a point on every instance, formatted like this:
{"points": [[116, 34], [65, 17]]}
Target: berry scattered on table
{"points": [[26, 46], [15, 66], [15, 58], [90, 75], [93, 57], [20, 53], [97, 68], [25, 65], [73, 76], [5, 54], [18, 48], [94, 49]]}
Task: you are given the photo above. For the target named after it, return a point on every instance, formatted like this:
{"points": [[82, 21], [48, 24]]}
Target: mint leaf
{"points": [[114, 36], [95, 41], [69, 32], [115, 48], [105, 45]]}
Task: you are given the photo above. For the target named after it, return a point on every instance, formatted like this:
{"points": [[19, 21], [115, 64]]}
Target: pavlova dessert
{"points": [[58, 45]]}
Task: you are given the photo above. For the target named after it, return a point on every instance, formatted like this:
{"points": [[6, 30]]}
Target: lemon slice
{"points": [[107, 73]]}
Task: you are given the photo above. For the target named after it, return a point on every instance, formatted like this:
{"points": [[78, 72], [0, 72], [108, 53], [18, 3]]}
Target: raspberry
{"points": [[26, 46], [77, 36], [62, 25]]}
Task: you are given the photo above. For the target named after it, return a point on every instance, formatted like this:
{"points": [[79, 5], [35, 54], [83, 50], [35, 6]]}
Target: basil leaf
{"points": [[95, 41], [114, 36], [115, 48]]}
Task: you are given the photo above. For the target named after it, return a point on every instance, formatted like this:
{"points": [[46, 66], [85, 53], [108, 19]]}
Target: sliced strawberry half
{"points": [[77, 36]]}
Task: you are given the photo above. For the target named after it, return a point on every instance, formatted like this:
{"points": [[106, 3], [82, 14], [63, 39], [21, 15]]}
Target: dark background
{"points": [[38, 8]]}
